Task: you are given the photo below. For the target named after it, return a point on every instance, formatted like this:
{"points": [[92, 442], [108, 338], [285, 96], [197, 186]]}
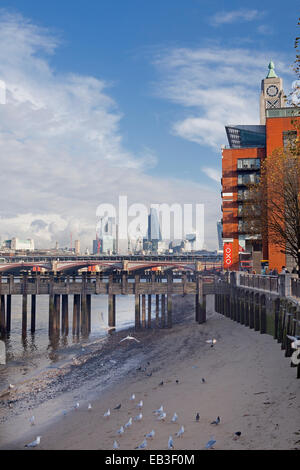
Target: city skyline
{"points": [[97, 107]]}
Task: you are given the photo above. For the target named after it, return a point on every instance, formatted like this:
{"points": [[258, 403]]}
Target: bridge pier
{"points": [[65, 314], [24, 314], [83, 316], [111, 310], [76, 314], [2, 316], [149, 310], [56, 317], [89, 312], [163, 311], [157, 311], [33, 313], [8, 313]]}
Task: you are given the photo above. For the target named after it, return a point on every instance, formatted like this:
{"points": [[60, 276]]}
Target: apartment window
{"points": [[289, 139], [248, 164]]}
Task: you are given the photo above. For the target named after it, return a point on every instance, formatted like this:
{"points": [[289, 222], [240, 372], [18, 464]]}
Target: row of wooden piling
{"points": [[268, 314]]}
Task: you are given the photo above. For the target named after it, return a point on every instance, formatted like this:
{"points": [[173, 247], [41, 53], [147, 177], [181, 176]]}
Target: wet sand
{"points": [[248, 383]]}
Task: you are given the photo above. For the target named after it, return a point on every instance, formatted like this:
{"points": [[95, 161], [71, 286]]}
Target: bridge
{"points": [[73, 264]]}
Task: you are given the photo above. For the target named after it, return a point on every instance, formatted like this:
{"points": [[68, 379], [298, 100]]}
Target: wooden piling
{"points": [[137, 302], [65, 314], [143, 310], [89, 311], [157, 311], [2, 316], [8, 313], [111, 310], [33, 313], [163, 311], [24, 314], [149, 311], [76, 314]]}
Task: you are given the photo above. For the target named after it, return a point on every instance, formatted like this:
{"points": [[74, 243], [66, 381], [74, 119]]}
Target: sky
{"points": [[126, 97]]}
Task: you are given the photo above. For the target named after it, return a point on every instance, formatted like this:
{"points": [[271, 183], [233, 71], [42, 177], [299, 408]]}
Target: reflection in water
{"points": [[39, 344]]}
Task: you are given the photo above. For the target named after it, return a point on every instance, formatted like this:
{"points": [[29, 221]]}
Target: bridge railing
{"points": [[257, 281]]}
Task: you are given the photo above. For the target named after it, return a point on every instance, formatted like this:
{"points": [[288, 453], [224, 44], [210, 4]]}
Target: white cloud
{"points": [[213, 173], [61, 148], [228, 17], [214, 87]]}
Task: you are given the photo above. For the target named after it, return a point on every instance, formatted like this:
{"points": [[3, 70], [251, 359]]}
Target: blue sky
{"points": [[139, 93]]}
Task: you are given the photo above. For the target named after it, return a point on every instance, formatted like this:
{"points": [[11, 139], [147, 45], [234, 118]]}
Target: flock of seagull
{"points": [[160, 414]]}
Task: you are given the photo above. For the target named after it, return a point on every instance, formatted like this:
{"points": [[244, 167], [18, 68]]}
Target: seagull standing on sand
{"points": [[143, 445], [34, 443], [32, 420], [211, 341], [162, 417], [159, 411], [107, 414], [130, 337], [89, 406], [132, 397], [170, 443], [140, 404], [210, 443], [197, 417], [237, 435], [180, 432], [120, 431], [116, 445], [175, 418], [138, 417], [128, 424], [76, 406], [117, 407], [150, 435]]}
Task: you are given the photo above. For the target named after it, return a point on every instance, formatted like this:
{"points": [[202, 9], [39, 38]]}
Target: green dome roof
{"points": [[272, 73]]}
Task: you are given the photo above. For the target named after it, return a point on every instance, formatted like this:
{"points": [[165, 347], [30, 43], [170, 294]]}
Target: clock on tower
{"points": [[272, 95]]}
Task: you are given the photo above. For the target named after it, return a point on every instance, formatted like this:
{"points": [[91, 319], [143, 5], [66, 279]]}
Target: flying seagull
{"points": [[130, 337], [34, 443], [105, 327]]}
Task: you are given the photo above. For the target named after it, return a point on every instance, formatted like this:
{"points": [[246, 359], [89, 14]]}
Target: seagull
{"points": [[143, 445], [128, 424], [105, 327], [159, 411], [216, 421], [296, 341], [180, 432], [120, 431], [34, 443], [116, 445], [170, 443], [107, 414], [132, 397], [64, 412], [130, 337], [177, 381], [162, 417], [11, 386], [210, 443], [237, 435], [150, 435], [197, 417], [140, 404], [161, 383], [89, 406], [32, 420], [76, 406], [117, 407], [175, 418], [138, 417], [211, 341], [203, 381]]}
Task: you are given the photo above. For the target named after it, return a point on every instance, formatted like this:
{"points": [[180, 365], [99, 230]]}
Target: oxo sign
{"points": [[227, 255]]}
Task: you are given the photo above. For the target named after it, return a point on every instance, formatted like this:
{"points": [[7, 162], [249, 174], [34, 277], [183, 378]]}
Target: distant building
{"points": [[24, 245], [220, 239], [77, 247]]}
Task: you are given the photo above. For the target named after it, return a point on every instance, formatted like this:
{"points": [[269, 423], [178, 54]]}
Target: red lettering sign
{"points": [[227, 255]]}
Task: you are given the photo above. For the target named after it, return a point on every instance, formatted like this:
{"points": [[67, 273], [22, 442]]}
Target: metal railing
{"points": [[256, 281]]}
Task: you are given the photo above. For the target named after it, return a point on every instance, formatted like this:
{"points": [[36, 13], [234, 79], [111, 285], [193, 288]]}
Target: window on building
{"points": [[248, 164]]}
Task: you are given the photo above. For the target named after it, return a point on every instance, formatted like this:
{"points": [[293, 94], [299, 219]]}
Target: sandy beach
{"points": [[249, 384]]}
